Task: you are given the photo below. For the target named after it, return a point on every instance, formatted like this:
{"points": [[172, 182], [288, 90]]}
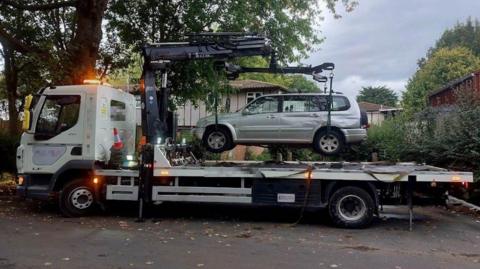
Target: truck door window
{"points": [[118, 111], [59, 113]]}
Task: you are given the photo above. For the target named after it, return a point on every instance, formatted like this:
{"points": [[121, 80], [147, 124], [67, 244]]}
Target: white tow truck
{"points": [[65, 151]]}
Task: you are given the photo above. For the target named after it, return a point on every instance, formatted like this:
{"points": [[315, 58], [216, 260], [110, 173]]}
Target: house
{"points": [[446, 95], [378, 113], [246, 91]]}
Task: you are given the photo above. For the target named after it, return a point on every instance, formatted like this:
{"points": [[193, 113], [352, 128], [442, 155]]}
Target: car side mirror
{"points": [[246, 112]]}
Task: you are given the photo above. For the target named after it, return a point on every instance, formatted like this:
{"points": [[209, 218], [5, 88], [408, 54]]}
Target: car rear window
{"points": [[340, 103]]}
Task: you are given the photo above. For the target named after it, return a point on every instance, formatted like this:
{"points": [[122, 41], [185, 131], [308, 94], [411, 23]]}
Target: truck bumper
{"points": [[353, 136], [37, 192]]}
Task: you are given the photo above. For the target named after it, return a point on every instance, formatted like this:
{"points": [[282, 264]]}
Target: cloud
{"points": [[351, 85], [380, 42]]}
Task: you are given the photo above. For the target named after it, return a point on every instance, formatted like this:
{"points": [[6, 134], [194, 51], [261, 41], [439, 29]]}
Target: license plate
{"points": [[286, 197]]}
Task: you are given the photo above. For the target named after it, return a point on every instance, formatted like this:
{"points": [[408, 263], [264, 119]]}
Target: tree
{"points": [[289, 24], [443, 66], [465, 34], [381, 95], [56, 41], [291, 82], [69, 36], [23, 26]]}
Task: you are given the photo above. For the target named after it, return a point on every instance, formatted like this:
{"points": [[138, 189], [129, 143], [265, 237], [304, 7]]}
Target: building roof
{"points": [[249, 84], [453, 83], [370, 107]]}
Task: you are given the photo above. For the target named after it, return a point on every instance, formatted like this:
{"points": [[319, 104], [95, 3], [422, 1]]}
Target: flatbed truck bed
{"points": [[308, 185]]}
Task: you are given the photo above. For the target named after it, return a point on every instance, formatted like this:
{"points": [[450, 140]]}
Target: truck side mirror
{"points": [[26, 112]]}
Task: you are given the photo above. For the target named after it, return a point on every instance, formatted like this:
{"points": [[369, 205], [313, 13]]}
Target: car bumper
{"points": [[198, 132], [354, 135]]}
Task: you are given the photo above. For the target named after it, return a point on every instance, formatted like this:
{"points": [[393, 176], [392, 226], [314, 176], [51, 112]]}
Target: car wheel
{"points": [[351, 207], [217, 140], [330, 143], [77, 199]]}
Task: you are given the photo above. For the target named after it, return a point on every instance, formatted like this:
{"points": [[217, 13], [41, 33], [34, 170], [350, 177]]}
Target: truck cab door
{"points": [[56, 135]]}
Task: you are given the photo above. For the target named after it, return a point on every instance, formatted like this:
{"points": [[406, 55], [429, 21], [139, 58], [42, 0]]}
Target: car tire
{"points": [[217, 140], [77, 199], [328, 144], [351, 207]]}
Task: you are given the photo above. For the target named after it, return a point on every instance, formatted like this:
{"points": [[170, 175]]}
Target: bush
{"points": [[8, 149], [447, 137]]}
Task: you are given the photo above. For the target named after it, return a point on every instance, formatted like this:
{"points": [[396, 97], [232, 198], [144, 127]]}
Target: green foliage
{"points": [[465, 34], [291, 82], [381, 95], [443, 66], [290, 24], [446, 137]]}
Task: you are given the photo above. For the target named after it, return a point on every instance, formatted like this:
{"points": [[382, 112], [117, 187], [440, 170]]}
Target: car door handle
{"points": [[315, 115], [271, 117]]}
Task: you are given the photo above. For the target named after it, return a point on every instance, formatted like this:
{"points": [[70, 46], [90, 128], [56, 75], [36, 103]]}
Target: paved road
{"points": [[195, 236]]}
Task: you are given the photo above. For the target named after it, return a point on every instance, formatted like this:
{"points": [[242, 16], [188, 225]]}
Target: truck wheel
{"points": [[217, 141], [328, 144], [351, 207], [77, 199]]}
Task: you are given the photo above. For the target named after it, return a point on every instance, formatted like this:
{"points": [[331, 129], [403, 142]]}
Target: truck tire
{"points": [[217, 140], [351, 207], [328, 144], [77, 199]]}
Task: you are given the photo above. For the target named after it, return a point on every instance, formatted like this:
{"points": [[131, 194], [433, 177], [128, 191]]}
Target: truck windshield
{"points": [[59, 113]]}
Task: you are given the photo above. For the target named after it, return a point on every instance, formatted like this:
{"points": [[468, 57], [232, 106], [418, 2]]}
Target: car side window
{"points": [[266, 104], [299, 103], [59, 113], [340, 103]]}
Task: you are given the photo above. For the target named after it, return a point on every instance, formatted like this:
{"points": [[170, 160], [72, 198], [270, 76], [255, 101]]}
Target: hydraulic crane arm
{"points": [[220, 47]]}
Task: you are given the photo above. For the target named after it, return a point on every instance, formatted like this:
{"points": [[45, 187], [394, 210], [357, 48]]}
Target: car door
{"points": [[299, 117], [259, 121]]}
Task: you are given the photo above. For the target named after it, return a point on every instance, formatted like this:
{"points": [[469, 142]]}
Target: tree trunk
{"points": [[83, 48], [11, 83]]}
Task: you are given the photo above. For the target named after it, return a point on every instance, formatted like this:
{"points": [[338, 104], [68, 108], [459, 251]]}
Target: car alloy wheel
{"points": [[216, 140], [329, 143]]}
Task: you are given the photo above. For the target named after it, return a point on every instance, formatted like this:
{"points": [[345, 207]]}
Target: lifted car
{"points": [[287, 119]]}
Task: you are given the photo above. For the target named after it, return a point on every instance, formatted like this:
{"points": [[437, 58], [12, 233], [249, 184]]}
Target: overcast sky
{"points": [[380, 41]]}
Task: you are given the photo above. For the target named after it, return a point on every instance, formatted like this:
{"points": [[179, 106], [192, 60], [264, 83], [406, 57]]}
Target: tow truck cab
{"points": [[67, 130]]}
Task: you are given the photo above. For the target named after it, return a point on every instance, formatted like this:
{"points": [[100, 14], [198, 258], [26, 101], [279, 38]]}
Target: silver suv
{"points": [[286, 119]]}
